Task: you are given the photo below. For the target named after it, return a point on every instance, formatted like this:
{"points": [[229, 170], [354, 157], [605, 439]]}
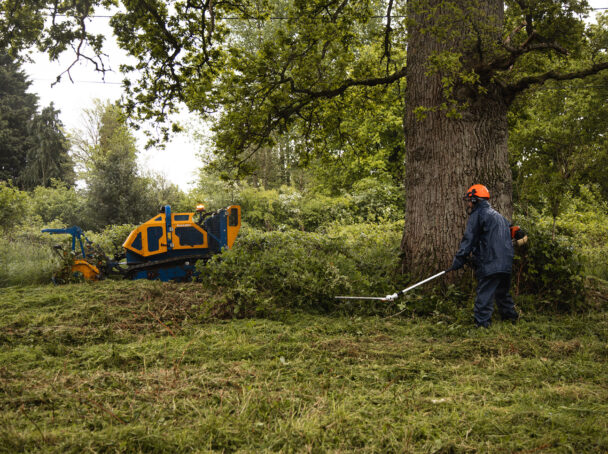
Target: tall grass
{"points": [[26, 261]]}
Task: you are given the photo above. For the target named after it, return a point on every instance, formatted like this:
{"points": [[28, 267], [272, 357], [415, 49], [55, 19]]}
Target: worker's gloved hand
{"points": [[392, 297], [456, 265]]}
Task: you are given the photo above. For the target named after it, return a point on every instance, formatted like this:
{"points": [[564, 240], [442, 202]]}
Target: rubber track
{"points": [[151, 265]]}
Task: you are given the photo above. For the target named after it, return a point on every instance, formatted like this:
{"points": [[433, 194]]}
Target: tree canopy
{"points": [[116, 190], [48, 156], [262, 67]]}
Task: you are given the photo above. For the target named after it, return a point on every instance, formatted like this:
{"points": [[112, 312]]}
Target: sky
{"points": [[178, 162]]}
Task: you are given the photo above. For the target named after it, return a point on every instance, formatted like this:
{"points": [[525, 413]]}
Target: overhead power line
{"points": [[80, 81], [102, 16]]}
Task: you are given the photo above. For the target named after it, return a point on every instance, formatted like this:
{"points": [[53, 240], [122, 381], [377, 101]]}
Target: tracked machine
{"points": [[167, 246], [164, 248]]}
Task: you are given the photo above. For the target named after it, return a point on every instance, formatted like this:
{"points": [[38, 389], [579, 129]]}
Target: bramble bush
{"points": [[551, 270], [266, 272]]}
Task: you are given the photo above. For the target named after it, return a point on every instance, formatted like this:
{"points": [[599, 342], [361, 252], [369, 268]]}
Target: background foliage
{"points": [[325, 190]]}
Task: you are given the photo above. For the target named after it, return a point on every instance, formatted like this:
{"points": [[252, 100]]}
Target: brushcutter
{"points": [[394, 296]]}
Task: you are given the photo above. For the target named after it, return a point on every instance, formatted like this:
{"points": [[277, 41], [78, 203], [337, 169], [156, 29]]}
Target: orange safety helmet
{"points": [[477, 191]]}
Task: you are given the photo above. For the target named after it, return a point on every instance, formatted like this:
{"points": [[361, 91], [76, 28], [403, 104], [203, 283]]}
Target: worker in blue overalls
{"points": [[488, 239]]}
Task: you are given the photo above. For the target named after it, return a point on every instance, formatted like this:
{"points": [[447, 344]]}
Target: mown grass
{"points": [[142, 367]]}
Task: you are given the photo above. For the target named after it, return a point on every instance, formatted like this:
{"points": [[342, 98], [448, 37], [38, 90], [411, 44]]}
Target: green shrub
{"points": [[287, 208], [59, 203], [260, 208], [378, 199], [452, 302], [551, 270], [585, 221], [269, 271], [319, 210], [370, 200], [111, 238], [13, 206]]}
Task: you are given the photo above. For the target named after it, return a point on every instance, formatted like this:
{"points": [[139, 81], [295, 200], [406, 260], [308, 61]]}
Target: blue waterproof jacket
{"points": [[488, 238]]}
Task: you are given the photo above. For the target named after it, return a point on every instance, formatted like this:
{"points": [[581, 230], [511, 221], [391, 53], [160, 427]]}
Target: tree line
{"points": [[38, 155]]}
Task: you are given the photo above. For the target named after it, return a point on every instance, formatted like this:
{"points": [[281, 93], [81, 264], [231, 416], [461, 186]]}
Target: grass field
{"points": [[140, 367]]}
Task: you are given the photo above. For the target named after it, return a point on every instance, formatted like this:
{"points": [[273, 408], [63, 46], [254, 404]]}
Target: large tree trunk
{"points": [[446, 155]]}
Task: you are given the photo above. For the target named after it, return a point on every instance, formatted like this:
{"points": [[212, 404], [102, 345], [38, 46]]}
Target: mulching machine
{"points": [[165, 248]]}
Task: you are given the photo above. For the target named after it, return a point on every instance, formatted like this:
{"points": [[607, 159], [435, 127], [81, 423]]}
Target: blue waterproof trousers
{"points": [[490, 288]]}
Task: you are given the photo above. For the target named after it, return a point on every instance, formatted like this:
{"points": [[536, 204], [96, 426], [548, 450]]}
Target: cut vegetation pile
{"points": [[144, 367]]}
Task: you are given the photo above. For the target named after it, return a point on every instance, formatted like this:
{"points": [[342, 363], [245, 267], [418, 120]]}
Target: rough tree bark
{"points": [[446, 155]]}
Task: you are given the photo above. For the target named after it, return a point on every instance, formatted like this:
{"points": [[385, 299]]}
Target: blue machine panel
{"points": [[137, 242], [189, 236], [181, 272], [154, 236]]}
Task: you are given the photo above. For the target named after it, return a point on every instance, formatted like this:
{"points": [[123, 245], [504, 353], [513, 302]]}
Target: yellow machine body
{"points": [[150, 238], [182, 235]]}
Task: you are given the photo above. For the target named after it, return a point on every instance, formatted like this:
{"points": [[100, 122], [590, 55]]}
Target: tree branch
{"points": [[252, 141], [527, 46], [513, 89], [330, 93], [387, 36], [504, 63]]}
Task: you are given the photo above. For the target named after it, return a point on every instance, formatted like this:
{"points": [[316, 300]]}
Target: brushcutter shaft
{"points": [[380, 298], [392, 297]]}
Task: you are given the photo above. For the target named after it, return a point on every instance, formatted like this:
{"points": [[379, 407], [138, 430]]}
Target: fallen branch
{"points": [[102, 408], [22, 410], [159, 321]]}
